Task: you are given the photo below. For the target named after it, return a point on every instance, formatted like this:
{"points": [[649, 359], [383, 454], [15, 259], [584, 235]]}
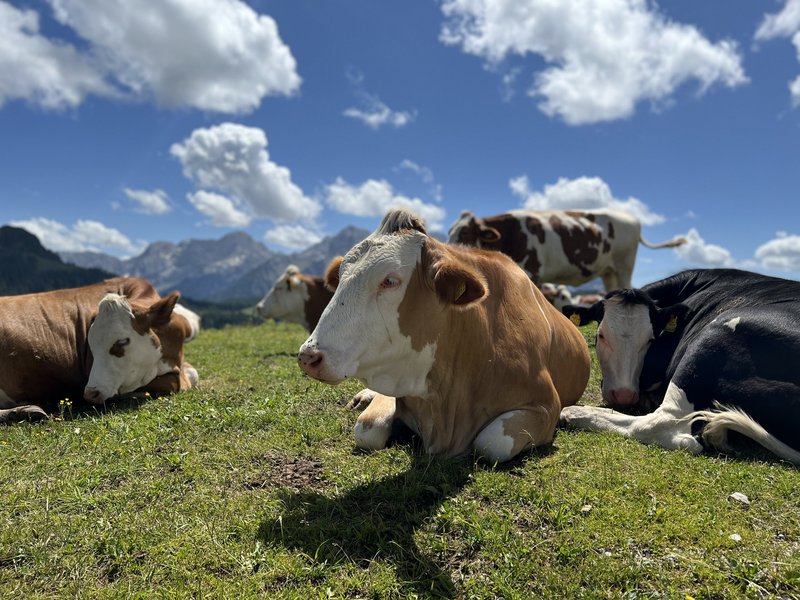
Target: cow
{"points": [[569, 247], [454, 342], [719, 348], [92, 342], [560, 296], [295, 297]]}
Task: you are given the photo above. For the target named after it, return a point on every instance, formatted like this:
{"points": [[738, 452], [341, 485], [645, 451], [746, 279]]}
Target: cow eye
{"points": [[123, 342], [390, 283]]}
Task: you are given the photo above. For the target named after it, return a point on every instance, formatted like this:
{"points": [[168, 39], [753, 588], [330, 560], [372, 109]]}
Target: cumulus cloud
{"points": [[374, 198], [697, 252], [51, 74], [785, 23], [216, 55], [293, 237], [84, 235], [606, 56], [374, 113], [370, 109], [583, 192], [781, 253], [221, 211], [233, 159], [149, 202]]}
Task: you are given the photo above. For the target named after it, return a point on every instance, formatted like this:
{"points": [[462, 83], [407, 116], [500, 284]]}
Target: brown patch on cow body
{"points": [[318, 297], [580, 243], [492, 356]]}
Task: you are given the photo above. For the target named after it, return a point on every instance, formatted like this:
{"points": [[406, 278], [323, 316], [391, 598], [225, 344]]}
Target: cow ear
{"points": [[332, 273], [488, 234], [457, 284], [583, 315], [160, 312], [669, 319]]}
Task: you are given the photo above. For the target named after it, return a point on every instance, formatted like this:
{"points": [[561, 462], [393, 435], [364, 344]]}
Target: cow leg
{"points": [[362, 399], [514, 431], [669, 426], [374, 425], [189, 376], [22, 413]]}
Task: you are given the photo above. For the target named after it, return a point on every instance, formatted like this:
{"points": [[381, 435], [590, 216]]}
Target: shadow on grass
{"points": [[375, 521]]}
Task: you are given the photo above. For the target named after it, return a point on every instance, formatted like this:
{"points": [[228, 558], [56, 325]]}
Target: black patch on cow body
{"points": [[581, 244], [611, 230]]}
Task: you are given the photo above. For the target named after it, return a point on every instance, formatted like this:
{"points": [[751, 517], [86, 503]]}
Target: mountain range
{"points": [[233, 267]]}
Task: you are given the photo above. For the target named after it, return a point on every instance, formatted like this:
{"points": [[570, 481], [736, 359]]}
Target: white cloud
{"points": [[785, 23], [374, 113], [53, 75], [425, 174], [149, 203], [583, 192], [233, 159], [293, 237], [698, 252], [217, 55], [82, 236], [781, 253], [606, 56], [374, 198], [221, 211]]}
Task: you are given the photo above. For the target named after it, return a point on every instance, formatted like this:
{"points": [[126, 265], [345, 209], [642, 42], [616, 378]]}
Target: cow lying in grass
{"points": [[457, 343], [720, 346], [92, 342], [295, 297]]}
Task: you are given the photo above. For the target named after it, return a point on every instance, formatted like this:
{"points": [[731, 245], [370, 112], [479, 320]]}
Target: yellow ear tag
{"points": [[462, 287], [575, 318], [672, 324]]}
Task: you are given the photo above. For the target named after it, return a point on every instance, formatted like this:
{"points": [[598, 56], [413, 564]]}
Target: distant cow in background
{"points": [[568, 247], [720, 347], [560, 296], [92, 342], [295, 297]]}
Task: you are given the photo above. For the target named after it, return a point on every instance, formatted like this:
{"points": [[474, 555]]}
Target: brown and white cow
{"points": [[568, 247], [92, 342], [560, 296], [295, 297], [457, 343]]}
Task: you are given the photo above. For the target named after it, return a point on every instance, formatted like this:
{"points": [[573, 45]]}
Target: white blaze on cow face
{"points": [[359, 333], [287, 298], [124, 357], [623, 338]]}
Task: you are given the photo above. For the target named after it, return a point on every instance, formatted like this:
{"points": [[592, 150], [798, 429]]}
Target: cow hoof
{"points": [[361, 400], [30, 413]]}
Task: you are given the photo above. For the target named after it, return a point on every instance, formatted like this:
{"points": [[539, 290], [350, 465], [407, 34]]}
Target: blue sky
{"points": [[125, 122]]}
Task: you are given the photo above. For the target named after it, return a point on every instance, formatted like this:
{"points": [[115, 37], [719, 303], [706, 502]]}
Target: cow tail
{"points": [[715, 433], [677, 241]]}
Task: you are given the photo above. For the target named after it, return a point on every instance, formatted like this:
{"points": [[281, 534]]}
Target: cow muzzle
{"points": [[94, 396], [621, 397], [313, 362]]}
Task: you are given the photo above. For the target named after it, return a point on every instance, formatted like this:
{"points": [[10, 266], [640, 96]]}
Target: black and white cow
{"points": [[720, 346]]}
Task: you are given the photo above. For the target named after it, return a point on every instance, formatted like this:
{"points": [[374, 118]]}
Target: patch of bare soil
{"points": [[293, 472]]}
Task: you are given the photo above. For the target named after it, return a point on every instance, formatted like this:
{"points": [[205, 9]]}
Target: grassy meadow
{"points": [[250, 487]]}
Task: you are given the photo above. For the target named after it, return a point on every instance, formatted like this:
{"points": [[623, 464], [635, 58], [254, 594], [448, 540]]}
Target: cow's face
{"points": [[471, 231], [380, 286], [286, 300], [126, 352], [629, 322]]}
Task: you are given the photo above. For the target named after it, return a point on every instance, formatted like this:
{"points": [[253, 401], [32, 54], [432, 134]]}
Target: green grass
{"points": [[250, 487]]}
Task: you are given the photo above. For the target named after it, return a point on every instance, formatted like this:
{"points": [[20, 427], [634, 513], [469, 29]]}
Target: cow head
{"points": [[126, 350], [558, 295], [376, 327], [629, 322], [472, 231], [286, 300]]}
